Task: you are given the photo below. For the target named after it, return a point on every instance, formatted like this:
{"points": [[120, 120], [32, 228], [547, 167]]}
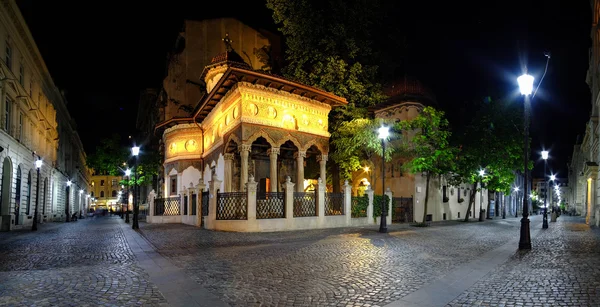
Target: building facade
{"points": [[35, 124], [105, 191]]}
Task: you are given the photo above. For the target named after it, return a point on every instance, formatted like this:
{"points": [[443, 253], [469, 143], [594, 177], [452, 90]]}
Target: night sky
{"points": [[103, 53]]}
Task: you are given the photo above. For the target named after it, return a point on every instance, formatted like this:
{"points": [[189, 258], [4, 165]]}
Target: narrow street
{"points": [[103, 262]]}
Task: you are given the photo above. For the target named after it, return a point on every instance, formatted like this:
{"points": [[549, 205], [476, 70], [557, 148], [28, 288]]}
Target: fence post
{"points": [[199, 189], [251, 187], [213, 187], [151, 197], [388, 218], [320, 202], [348, 202], [289, 198], [370, 193]]}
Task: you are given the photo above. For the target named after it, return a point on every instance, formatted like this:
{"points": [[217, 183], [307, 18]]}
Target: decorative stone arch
{"points": [[232, 138], [293, 139], [313, 142], [256, 135]]}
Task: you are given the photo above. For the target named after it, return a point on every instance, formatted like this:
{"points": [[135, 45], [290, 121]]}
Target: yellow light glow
{"points": [[366, 168]]}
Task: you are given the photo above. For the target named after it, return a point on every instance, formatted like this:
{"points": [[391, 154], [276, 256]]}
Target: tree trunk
{"points": [[426, 198], [471, 201], [335, 176], [489, 205]]}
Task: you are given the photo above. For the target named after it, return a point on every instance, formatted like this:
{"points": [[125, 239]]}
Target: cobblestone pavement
{"points": [[332, 267], [83, 263], [562, 269]]}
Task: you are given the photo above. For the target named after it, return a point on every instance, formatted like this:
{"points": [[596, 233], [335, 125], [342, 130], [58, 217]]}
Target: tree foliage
{"points": [[108, 157], [430, 146]]}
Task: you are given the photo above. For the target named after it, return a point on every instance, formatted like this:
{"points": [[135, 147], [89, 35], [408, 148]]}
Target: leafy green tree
{"points": [[357, 142], [492, 141], [108, 157], [430, 147], [336, 46]]}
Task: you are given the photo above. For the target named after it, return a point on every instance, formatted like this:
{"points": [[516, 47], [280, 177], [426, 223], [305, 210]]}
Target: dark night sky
{"points": [[103, 53]]}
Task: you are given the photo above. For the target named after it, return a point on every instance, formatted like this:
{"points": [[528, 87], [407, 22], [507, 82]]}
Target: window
{"points": [[22, 74], [8, 54], [28, 205], [31, 89], [101, 194], [113, 182], [7, 107], [92, 194], [20, 131], [101, 183], [173, 185], [114, 193]]}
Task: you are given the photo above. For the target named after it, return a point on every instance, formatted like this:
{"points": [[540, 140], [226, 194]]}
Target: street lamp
{"points": [[481, 174], [526, 87], [545, 221], [135, 151], [516, 189], [384, 132], [68, 200], [38, 166], [128, 175]]}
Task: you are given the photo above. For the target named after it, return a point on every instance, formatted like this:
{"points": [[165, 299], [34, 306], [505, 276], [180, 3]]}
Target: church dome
{"points": [[229, 57], [409, 89]]}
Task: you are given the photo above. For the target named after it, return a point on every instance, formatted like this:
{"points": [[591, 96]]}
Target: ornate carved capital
{"points": [[273, 151], [228, 156], [322, 158], [300, 153], [244, 148]]}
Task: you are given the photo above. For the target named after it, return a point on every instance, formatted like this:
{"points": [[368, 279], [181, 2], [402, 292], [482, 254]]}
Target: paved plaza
{"points": [[103, 262]]}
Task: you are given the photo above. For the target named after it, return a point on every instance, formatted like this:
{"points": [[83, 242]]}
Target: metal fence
{"points": [[185, 204], [270, 205], [305, 204], [232, 206], [167, 206], [334, 203], [403, 210]]}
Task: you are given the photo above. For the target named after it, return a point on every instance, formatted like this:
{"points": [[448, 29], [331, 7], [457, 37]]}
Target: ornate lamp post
{"points": [[128, 175], [545, 222], [38, 166], [516, 189], [526, 87], [135, 151], [384, 132]]}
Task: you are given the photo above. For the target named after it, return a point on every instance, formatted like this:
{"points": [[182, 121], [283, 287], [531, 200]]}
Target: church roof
{"points": [[407, 89]]}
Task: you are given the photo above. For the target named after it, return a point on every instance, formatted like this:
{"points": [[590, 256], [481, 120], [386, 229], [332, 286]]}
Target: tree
{"points": [[492, 141], [335, 46], [108, 157], [357, 143], [430, 147]]}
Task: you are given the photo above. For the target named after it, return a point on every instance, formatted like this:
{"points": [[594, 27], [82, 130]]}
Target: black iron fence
{"points": [[402, 210], [205, 197], [305, 204], [167, 206], [270, 205], [359, 206], [334, 203], [232, 206]]}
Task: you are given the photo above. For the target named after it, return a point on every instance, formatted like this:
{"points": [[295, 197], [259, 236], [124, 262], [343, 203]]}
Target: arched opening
{"points": [[44, 197], [28, 193], [114, 193], [5, 197], [101, 194], [18, 196], [232, 167], [288, 166], [260, 164], [312, 170]]}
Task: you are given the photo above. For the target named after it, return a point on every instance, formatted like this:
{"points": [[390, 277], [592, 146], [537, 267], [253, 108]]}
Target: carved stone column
{"points": [[273, 152], [228, 172], [244, 153], [300, 155], [323, 163]]}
